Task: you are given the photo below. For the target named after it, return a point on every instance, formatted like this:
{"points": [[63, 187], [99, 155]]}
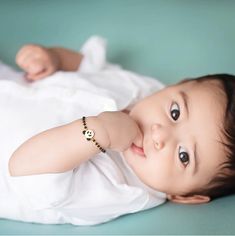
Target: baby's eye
{"points": [[175, 111], [183, 156]]}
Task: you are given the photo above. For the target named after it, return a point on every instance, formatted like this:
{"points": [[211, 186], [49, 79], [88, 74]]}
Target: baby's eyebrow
{"points": [[195, 153], [185, 100]]}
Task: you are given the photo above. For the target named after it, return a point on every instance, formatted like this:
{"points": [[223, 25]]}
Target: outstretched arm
{"points": [[65, 147], [58, 149], [38, 61]]}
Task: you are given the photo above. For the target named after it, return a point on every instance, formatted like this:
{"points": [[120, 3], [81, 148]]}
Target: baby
{"points": [[178, 141]]}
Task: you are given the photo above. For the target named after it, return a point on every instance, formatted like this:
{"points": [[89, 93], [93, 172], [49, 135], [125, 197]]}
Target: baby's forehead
{"points": [[213, 85], [207, 94], [207, 102], [213, 88]]}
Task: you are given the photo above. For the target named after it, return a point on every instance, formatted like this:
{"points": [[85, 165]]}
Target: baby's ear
{"points": [[194, 199]]}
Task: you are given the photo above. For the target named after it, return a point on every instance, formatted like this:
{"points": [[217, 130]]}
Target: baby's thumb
{"points": [[139, 137]]}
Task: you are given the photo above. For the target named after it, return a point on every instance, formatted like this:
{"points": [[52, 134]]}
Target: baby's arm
{"points": [[38, 61], [65, 147]]}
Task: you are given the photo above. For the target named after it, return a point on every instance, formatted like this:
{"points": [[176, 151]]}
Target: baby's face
{"points": [[181, 134]]}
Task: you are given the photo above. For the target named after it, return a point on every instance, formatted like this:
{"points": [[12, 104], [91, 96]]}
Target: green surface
{"points": [[167, 39]]}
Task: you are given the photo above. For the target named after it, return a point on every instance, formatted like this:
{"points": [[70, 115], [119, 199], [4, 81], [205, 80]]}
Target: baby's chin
{"points": [[133, 157], [126, 155]]}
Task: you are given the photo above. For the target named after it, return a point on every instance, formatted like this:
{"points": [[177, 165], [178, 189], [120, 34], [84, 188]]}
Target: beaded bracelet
{"points": [[89, 134]]}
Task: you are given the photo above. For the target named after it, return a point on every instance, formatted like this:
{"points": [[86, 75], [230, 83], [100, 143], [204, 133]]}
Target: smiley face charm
{"points": [[89, 134]]}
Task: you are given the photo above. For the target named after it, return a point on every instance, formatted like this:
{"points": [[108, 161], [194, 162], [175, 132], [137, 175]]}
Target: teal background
{"points": [[169, 40]]}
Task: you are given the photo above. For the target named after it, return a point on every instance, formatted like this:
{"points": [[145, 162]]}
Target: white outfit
{"points": [[97, 191]]}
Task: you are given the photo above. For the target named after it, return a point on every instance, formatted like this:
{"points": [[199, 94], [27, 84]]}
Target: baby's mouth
{"points": [[137, 150]]}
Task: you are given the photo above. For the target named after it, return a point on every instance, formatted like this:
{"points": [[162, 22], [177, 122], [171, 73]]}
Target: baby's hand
{"points": [[37, 61], [121, 129]]}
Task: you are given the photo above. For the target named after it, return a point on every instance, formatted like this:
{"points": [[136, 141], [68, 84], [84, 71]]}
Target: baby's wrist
{"points": [[101, 134], [55, 58], [103, 123]]}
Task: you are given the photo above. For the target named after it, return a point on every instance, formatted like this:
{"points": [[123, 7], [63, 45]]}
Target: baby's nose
{"points": [[158, 136], [159, 145]]}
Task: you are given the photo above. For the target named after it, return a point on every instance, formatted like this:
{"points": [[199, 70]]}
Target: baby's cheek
{"points": [[161, 169], [137, 163]]}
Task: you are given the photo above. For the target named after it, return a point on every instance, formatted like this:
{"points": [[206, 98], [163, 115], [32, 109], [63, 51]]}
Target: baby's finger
{"points": [[23, 54], [35, 68], [38, 76], [138, 136], [28, 78], [26, 63]]}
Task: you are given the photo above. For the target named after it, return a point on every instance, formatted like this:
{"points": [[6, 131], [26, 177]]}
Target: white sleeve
{"points": [[43, 190], [94, 52]]}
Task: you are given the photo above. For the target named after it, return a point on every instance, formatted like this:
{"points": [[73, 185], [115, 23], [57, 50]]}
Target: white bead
{"points": [[89, 133]]}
